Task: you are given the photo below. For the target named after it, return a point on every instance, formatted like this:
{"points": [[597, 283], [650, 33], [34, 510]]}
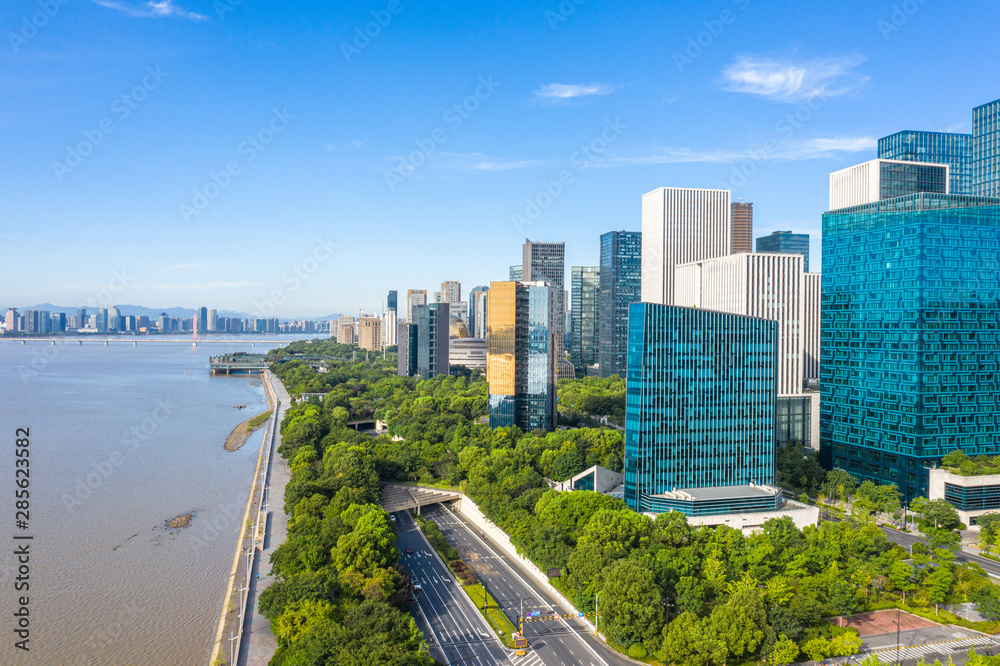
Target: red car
{"points": [[409, 550]]}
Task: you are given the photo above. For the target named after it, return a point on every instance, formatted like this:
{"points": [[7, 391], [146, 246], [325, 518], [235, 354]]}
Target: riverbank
{"points": [[241, 433]]}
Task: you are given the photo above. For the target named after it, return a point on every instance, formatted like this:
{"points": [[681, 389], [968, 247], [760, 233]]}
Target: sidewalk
{"points": [[258, 643]]}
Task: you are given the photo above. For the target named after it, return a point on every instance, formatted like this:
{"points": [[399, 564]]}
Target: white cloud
{"points": [[794, 82], [195, 266], [151, 9], [554, 93], [204, 285], [481, 162], [789, 151]]}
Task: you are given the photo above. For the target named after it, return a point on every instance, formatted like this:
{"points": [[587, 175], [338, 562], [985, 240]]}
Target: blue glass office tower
{"points": [[701, 390], [954, 150], [986, 149], [433, 327], [391, 301], [910, 326], [785, 242], [620, 285]]}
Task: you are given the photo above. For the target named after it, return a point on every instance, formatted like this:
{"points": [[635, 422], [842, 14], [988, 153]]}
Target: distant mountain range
{"points": [[152, 313]]}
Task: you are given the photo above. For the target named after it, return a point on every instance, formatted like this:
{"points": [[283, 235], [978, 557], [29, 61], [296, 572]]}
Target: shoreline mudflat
{"points": [[241, 433]]}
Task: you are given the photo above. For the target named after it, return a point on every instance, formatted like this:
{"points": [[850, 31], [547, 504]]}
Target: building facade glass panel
{"points": [[620, 285], [986, 149], [584, 339], [785, 242], [700, 406], [911, 318], [955, 150]]}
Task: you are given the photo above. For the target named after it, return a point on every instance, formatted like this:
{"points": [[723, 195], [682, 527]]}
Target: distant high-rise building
{"points": [[621, 284], [433, 328], [516, 273], [370, 333], [699, 412], [680, 225], [986, 149], [909, 335], [877, 180], [742, 233], [390, 302], [12, 322], [389, 327], [477, 312], [451, 291], [521, 367], [406, 337], [114, 319], [213, 321], [202, 316], [546, 262], [414, 298], [585, 283], [785, 242], [345, 330], [955, 150], [810, 327]]}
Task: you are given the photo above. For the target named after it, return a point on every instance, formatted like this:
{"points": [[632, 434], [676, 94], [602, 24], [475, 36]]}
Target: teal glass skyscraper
{"points": [[785, 242], [584, 285], [986, 149], [955, 150], [699, 413], [910, 326], [620, 285]]}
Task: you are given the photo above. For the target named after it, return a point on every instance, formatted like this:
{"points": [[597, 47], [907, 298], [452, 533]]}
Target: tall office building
{"points": [[585, 284], [812, 318], [390, 302], [621, 284], [202, 316], [477, 312], [986, 149], [955, 150], [213, 320], [114, 319], [345, 330], [370, 333], [680, 225], [785, 242], [406, 337], [521, 365], [451, 291], [12, 321], [414, 298], [433, 329], [546, 262], [909, 335], [699, 412], [516, 273], [768, 286], [460, 309], [877, 180], [389, 321], [741, 239]]}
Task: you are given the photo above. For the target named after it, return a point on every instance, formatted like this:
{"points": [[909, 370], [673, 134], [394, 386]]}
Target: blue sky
{"points": [[272, 157]]}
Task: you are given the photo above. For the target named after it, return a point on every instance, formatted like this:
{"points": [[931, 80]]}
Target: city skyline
{"points": [[320, 189]]}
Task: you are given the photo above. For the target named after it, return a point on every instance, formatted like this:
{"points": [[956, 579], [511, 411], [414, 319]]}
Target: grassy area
{"points": [[258, 420], [500, 622]]}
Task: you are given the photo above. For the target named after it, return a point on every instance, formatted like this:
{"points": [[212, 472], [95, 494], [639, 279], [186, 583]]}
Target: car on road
{"points": [[417, 589], [392, 517], [409, 550]]}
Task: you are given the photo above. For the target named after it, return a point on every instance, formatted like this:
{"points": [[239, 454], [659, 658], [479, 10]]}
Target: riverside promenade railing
{"points": [[254, 549]]}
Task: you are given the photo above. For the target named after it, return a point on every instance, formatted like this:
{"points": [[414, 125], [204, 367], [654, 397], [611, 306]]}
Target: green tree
{"points": [[690, 641], [785, 651], [938, 584], [631, 607], [741, 623]]}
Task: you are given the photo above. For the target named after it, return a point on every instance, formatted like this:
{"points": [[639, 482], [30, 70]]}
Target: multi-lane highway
{"points": [[456, 632], [557, 642]]}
